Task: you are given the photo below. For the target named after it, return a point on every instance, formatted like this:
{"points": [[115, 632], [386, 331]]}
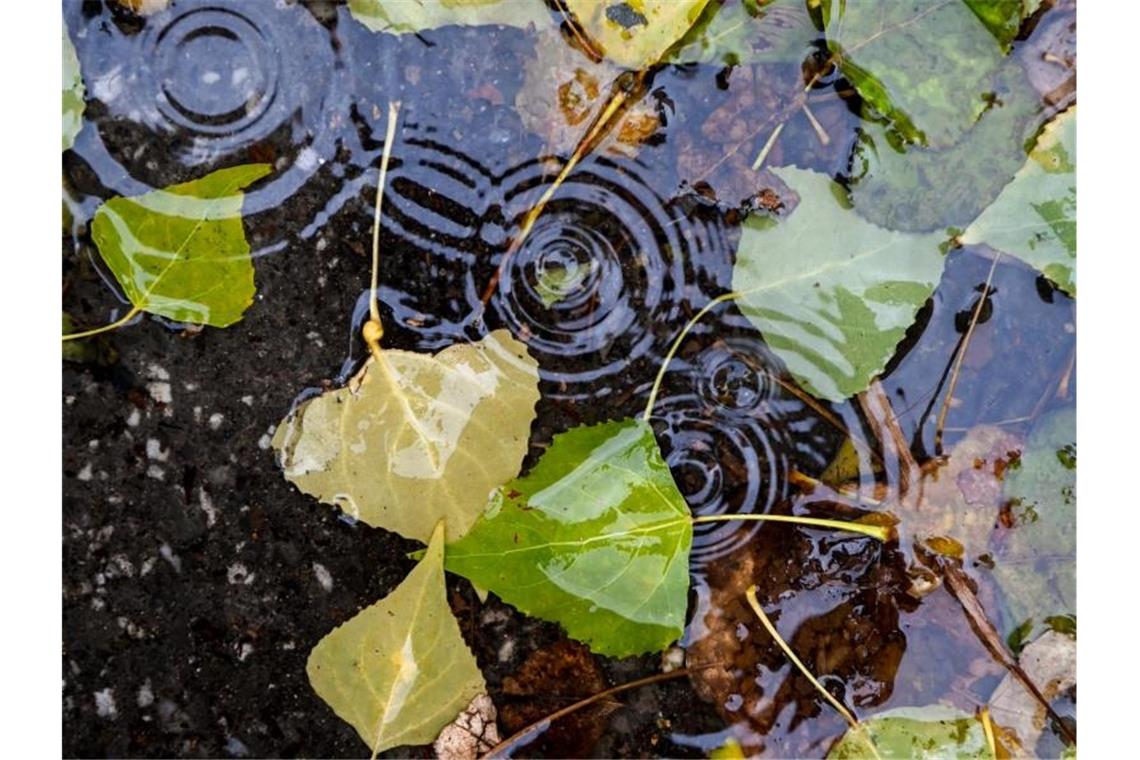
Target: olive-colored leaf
{"points": [[742, 32], [933, 732], [73, 92], [1003, 17], [832, 306], [921, 189], [416, 438], [924, 64], [399, 671], [596, 537], [1035, 217], [1036, 557], [181, 252], [636, 33], [414, 16]]}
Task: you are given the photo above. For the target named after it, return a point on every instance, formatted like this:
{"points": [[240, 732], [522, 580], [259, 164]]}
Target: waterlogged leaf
{"points": [[1036, 557], [924, 64], [414, 16], [1035, 217], [921, 189], [933, 732], [832, 306], [1003, 17], [416, 438], [596, 537], [181, 252], [399, 671], [73, 91], [636, 33], [1051, 664], [556, 283], [749, 31]]}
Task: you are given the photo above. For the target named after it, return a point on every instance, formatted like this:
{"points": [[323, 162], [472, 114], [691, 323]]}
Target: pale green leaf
{"points": [[557, 283], [1035, 217], [741, 32], [1003, 17], [636, 33], [414, 16], [596, 537], [1036, 561], [932, 733], [181, 252], [925, 64], [416, 438], [399, 671], [73, 92], [832, 293]]}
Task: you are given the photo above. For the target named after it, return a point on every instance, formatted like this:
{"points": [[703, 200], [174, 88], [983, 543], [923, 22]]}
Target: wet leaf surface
{"points": [[635, 34], [1051, 662], [181, 252], [833, 308], [399, 671], [911, 732], [596, 537], [420, 15], [735, 32], [416, 438], [73, 91], [1034, 218]]}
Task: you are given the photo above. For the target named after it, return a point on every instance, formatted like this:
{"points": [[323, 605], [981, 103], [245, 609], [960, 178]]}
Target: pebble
{"points": [[105, 703]]}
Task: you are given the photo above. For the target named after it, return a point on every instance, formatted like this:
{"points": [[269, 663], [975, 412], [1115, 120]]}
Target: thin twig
{"points": [[820, 132], [945, 410], [768, 147]]}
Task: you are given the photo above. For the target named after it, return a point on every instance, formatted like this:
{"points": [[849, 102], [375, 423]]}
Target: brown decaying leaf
{"points": [[472, 733]]}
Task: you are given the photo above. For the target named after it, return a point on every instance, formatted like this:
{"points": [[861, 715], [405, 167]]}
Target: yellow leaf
{"points": [[636, 33]]}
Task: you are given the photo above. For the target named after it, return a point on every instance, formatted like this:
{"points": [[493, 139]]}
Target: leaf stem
{"points": [[880, 532], [767, 147], [677, 344], [373, 330], [134, 312], [754, 603]]}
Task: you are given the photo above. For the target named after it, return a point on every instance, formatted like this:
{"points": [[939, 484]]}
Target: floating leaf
{"points": [[414, 16], [1036, 558], [416, 438], [921, 189], [930, 732], [73, 91], [1003, 17], [181, 252], [399, 671], [636, 33], [596, 537], [1035, 217], [556, 283], [925, 65], [749, 31], [832, 306]]}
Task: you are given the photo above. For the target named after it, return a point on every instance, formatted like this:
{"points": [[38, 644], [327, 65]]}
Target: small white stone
{"points": [[168, 554], [156, 372], [105, 703], [211, 77], [264, 442], [247, 400], [160, 392], [85, 473], [154, 450], [216, 420], [146, 694], [239, 574], [133, 418], [324, 577], [245, 651], [156, 472], [208, 507]]}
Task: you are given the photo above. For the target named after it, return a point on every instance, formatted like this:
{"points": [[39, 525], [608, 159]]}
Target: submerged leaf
{"points": [[926, 65], [1003, 17], [636, 33], [416, 438], [1036, 557], [832, 306], [73, 91], [1035, 217], [596, 537], [749, 31], [399, 671], [181, 252], [414, 16], [1050, 662], [911, 732]]}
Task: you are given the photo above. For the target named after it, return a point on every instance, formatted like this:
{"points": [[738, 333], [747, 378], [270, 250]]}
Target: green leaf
{"points": [[399, 671], [596, 537], [181, 252], [1036, 561], [636, 33], [1003, 17], [416, 438], [749, 31], [925, 65], [1035, 217], [556, 283], [832, 306], [933, 732], [73, 91], [919, 189], [414, 16]]}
